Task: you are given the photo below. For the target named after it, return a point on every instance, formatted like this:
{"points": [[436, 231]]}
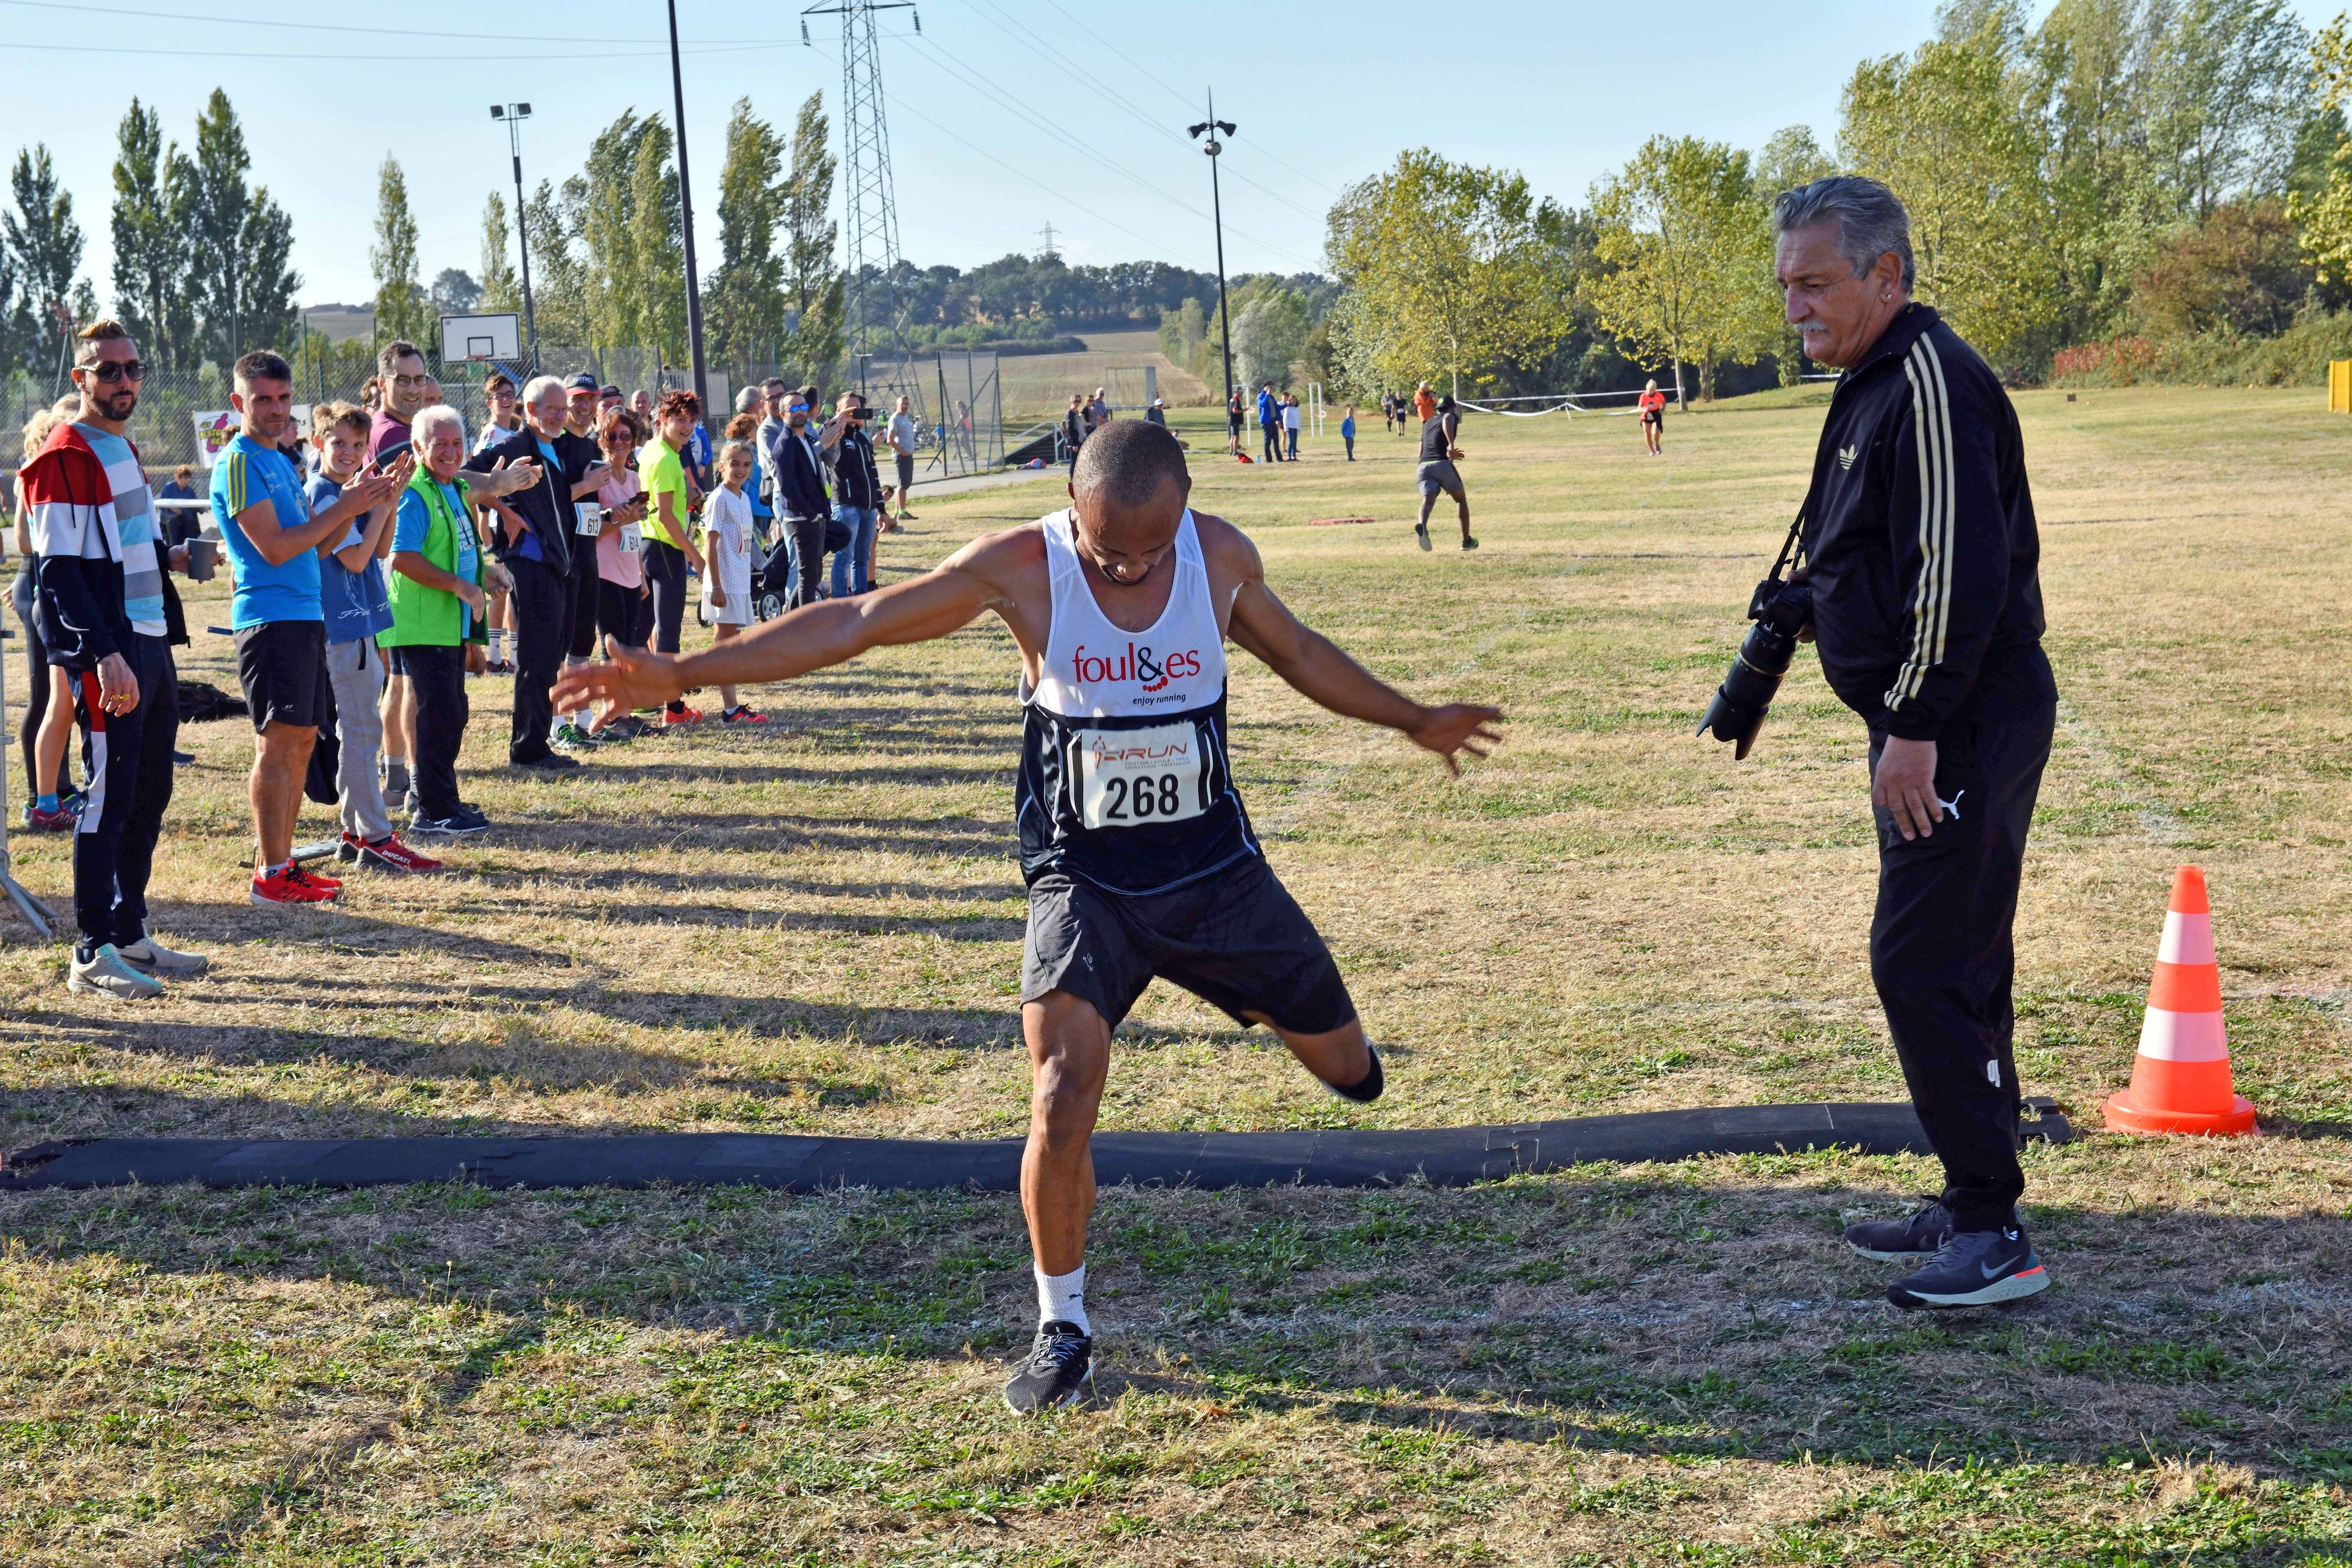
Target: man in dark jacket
{"points": [[534, 542], [802, 507], [1920, 548]]}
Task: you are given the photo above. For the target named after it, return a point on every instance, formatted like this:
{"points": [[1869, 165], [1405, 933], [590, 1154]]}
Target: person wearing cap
{"points": [[1158, 412]]}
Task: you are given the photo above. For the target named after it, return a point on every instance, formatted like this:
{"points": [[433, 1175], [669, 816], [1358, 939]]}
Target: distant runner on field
{"points": [[1438, 473], [1139, 860], [1653, 404]]}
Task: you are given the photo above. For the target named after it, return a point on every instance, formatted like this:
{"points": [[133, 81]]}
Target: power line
{"points": [[276, 26], [1058, 196], [442, 58], [1183, 97], [940, 58], [1054, 57]]}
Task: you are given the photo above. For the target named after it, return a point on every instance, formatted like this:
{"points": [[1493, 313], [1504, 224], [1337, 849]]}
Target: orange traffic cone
{"points": [[2180, 1082]]}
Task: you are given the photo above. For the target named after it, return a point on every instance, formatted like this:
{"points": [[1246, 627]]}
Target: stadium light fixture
{"points": [[514, 114], [1215, 128]]}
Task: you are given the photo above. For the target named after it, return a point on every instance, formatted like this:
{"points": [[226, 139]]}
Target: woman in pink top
{"points": [[623, 600]]}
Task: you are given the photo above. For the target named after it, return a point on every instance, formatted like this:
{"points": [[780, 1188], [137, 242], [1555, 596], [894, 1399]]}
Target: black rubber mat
{"points": [[1446, 1157]]}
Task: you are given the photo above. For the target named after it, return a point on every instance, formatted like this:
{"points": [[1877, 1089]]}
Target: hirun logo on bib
{"points": [[1109, 750], [1136, 664]]}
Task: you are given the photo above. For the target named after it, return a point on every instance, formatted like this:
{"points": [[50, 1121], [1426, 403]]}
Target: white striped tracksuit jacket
{"points": [[1919, 539]]}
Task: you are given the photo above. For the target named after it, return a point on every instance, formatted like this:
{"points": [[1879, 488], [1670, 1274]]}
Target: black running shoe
{"points": [[1060, 1371], [1974, 1269], [1365, 1090], [1468, 542], [1913, 1236]]}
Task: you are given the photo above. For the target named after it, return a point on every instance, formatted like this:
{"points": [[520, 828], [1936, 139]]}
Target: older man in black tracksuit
{"points": [[1920, 548]]}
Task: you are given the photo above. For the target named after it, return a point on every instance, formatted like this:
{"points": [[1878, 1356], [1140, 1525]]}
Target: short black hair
{"points": [[263, 365], [393, 352], [1126, 461]]}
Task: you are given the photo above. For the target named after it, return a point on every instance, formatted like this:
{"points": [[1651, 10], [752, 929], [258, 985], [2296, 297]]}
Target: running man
{"points": [[1138, 856], [1653, 404], [1437, 472]]}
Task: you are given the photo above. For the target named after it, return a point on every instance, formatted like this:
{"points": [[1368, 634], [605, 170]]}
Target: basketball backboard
{"points": [[496, 337]]}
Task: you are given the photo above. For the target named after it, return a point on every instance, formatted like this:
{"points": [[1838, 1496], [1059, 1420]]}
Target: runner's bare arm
{"points": [[952, 595], [1319, 667]]}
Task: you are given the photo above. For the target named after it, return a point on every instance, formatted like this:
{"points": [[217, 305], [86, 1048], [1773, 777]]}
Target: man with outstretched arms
{"points": [[1139, 858]]}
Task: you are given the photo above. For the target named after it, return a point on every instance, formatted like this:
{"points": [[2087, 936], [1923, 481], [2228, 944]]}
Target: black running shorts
{"points": [[1235, 938], [282, 665]]}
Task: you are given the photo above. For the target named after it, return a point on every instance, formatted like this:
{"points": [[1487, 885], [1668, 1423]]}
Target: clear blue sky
{"points": [[991, 135]]}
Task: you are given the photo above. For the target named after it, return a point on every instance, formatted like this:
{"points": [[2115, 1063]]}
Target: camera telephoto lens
{"points": [[1743, 699]]}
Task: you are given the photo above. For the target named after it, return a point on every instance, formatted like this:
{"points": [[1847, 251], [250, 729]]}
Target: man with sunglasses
{"points": [[108, 618], [803, 505]]}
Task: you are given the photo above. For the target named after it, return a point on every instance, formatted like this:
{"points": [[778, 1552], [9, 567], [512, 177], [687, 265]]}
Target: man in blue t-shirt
{"points": [[272, 537]]}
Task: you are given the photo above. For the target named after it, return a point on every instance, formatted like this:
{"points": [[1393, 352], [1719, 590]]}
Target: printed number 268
{"points": [[1146, 796]]}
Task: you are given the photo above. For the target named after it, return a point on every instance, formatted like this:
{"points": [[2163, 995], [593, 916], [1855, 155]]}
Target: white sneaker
{"points": [[149, 956], [104, 971]]}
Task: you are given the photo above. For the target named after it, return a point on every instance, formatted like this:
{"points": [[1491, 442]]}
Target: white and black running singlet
{"points": [[1124, 777]]}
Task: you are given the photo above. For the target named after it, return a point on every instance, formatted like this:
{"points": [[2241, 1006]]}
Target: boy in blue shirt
{"points": [[1348, 432], [356, 607], [273, 537]]}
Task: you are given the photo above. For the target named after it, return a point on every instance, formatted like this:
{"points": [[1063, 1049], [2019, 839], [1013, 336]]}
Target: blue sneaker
{"points": [[1974, 1269], [1913, 1236]]}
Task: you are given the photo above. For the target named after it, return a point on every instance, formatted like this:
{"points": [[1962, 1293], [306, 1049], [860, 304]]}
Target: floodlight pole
{"points": [[686, 221], [514, 114], [1217, 206]]}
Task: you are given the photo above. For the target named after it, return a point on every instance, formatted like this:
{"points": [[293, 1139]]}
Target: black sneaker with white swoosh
{"points": [[1974, 1269]]}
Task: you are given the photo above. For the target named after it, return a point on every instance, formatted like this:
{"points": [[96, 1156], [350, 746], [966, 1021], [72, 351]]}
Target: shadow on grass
{"points": [[1633, 1313]]}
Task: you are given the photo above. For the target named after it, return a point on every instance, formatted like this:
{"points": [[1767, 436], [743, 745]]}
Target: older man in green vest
{"points": [[440, 583]]}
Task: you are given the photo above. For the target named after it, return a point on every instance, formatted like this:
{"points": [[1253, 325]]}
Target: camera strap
{"points": [[1790, 553]]}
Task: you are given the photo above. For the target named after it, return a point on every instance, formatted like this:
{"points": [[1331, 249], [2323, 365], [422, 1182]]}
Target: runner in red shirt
{"points": [[1654, 415]]}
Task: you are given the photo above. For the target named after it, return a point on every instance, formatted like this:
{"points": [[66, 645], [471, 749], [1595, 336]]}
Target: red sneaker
{"points": [[741, 714], [61, 820], [679, 718], [387, 854], [293, 885]]}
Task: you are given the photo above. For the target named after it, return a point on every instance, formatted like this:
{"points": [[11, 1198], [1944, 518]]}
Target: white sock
{"points": [[1062, 1298]]}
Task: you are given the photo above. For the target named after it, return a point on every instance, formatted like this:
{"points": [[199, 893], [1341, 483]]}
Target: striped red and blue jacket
{"points": [[86, 576]]}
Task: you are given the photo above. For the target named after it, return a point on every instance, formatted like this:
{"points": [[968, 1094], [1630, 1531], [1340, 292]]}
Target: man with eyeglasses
{"points": [[803, 505], [108, 618]]}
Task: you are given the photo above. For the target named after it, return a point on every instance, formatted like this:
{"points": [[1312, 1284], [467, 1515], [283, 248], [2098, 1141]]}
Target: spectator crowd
{"points": [[381, 561]]}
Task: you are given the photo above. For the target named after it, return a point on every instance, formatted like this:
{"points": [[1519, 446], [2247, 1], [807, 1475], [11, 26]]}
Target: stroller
{"points": [[772, 589]]}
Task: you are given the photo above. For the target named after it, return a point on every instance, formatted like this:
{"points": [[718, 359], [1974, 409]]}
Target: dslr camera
{"points": [[1782, 607]]}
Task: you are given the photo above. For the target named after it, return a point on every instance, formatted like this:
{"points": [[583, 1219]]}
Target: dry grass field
{"points": [[818, 927], [1038, 386]]}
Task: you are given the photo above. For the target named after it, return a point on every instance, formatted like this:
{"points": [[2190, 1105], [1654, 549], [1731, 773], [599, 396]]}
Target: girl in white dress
{"points": [[727, 565]]}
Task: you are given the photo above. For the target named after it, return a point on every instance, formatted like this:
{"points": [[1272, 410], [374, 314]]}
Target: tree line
{"points": [[2148, 172]]}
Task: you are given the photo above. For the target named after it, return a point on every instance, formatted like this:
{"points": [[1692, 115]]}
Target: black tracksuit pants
{"points": [[808, 543], [437, 676], [665, 570], [128, 758], [541, 603], [584, 581], [1941, 952]]}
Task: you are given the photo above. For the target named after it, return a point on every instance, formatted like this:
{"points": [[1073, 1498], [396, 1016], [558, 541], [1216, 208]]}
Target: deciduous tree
{"points": [[1455, 270], [148, 225], [401, 309], [1944, 129], [744, 306], [1684, 259]]}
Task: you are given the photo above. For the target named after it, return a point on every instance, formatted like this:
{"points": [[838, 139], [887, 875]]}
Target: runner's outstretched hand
{"points": [[1458, 727], [636, 677]]}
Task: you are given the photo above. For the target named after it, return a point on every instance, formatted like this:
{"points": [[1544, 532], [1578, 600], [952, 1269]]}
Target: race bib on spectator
{"points": [[1129, 777], [592, 518], [633, 539]]}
